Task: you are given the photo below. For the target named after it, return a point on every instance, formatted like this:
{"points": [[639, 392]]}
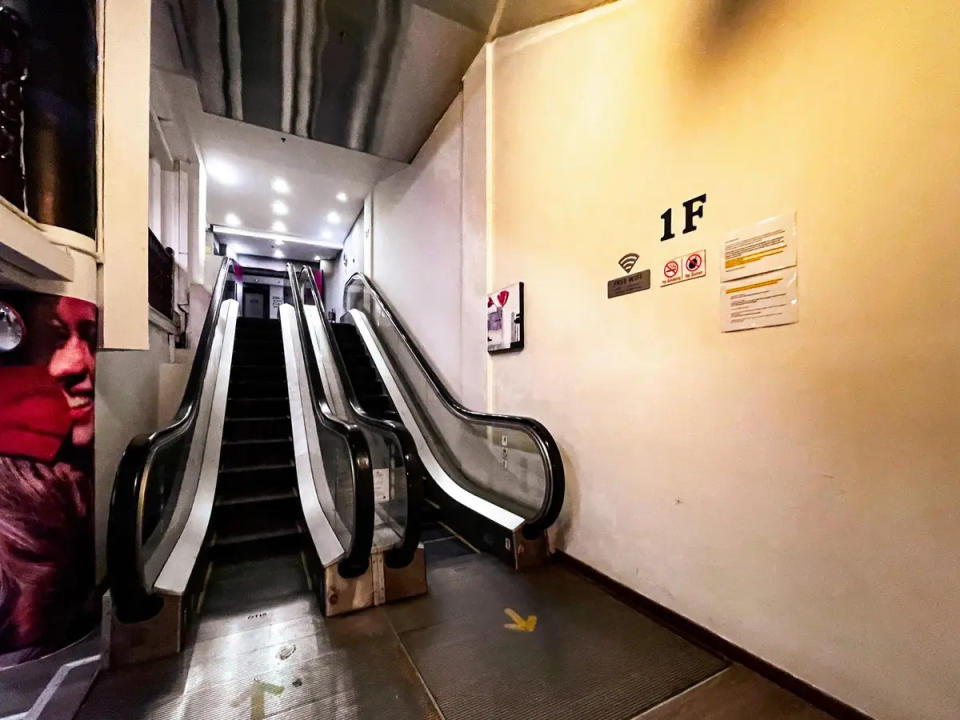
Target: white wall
{"points": [[417, 245], [126, 406], [350, 261], [793, 489]]}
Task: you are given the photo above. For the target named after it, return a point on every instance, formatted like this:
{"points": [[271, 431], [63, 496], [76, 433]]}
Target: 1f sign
{"points": [[693, 209]]}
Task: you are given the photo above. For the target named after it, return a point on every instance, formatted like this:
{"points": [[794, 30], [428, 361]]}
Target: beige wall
{"points": [[793, 489], [417, 244]]}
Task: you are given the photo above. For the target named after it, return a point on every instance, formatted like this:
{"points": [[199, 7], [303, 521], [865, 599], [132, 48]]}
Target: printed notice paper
{"points": [[770, 244], [759, 301]]}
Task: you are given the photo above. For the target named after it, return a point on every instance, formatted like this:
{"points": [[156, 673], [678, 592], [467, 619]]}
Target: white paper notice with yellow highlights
{"points": [[770, 244], [760, 301]]}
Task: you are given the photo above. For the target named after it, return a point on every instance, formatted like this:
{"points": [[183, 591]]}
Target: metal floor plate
{"points": [[265, 651], [589, 656]]}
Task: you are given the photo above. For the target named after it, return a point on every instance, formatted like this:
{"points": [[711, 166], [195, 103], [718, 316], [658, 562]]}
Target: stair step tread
{"points": [[262, 418], [249, 499], [223, 541], [249, 468], [255, 397], [258, 441]]}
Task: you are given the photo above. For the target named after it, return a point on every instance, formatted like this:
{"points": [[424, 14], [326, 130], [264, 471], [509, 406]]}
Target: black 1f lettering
{"points": [[667, 218], [693, 209]]}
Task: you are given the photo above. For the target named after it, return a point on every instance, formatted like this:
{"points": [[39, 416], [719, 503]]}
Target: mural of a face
{"points": [[72, 363]]}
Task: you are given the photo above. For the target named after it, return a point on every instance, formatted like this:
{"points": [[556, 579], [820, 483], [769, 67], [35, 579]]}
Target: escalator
{"points": [[496, 480], [260, 492]]}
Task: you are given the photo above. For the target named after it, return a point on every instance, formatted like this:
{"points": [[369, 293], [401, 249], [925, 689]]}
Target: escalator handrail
{"points": [[357, 557], [132, 599], [549, 451], [413, 468]]}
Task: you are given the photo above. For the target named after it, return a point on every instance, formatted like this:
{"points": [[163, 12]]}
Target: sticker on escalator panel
{"points": [[381, 485]]}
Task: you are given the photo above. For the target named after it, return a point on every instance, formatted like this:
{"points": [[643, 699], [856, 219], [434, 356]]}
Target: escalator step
{"points": [[251, 498], [241, 519], [261, 388], [235, 539], [241, 372], [246, 407], [247, 453], [263, 428], [244, 481]]}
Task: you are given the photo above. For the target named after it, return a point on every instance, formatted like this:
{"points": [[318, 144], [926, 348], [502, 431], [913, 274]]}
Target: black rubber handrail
{"points": [[555, 485], [414, 471], [132, 598], [357, 557]]}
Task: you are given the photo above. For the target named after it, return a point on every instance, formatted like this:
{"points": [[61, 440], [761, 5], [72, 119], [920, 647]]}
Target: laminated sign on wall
{"points": [[686, 267], [759, 275], [505, 319]]}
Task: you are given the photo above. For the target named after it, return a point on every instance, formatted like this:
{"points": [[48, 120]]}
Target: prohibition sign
{"points": [[694, 262], [671, 269]]}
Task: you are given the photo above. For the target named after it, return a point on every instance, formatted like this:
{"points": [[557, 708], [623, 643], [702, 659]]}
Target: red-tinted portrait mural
{"points": [[47, 374]]}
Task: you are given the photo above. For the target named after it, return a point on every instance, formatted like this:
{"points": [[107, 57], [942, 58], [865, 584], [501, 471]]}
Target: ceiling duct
{"points": [[368, 75]]}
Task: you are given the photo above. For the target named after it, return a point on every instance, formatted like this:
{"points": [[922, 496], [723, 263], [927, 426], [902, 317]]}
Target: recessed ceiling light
{"points": [[342, 197], [279, 242], [279, 207], [222, 172], [279, 226], [326, 234], [316, 258], [333, 217], [277, 254], [280, 185], [232, 220]]}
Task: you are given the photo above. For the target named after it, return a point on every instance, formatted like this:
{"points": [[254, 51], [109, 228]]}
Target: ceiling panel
{"points": [[244, 161], [369, 75]]}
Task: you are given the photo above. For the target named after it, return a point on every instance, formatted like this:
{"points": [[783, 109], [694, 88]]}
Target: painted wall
{"points": [[349, 261], [126, 406], [793, 489], [417, 244]]}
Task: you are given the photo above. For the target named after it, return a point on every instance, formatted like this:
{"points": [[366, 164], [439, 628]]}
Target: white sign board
{"points": [[770, 244], [760, 301]]}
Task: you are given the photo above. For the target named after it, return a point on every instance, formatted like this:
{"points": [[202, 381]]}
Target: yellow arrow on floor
{"points": [[519, 624]]}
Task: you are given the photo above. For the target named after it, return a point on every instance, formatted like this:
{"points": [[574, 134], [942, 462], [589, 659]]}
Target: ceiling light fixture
{"points": [[222, 172], [279, 242], [333, 217], [232, 220], [277, 254], [316, 258], [279, 226], [279, 207], [281, 186], [342, 197], [326, 234]]}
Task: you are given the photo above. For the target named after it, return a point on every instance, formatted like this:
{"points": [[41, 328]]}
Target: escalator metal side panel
{"points": [[194, 508], [498, 515], [315, 499]]}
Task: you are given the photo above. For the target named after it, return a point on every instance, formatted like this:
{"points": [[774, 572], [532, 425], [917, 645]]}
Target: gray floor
{"points": [[444, 656], [735, 694]]}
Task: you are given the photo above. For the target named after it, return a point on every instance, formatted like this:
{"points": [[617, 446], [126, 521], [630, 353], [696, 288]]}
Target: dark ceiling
{"points": [[369, 75]]}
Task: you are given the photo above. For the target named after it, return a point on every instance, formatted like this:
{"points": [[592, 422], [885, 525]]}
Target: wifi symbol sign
{"points": [[628, 261]]}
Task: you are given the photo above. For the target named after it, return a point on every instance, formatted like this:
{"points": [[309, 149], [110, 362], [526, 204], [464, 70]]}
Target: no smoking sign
{"points": [[686, 267]]}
